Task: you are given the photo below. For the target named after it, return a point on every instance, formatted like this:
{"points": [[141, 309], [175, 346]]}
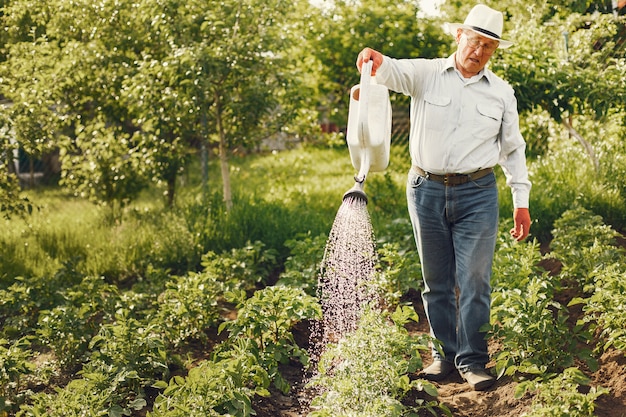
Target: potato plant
{"points": [[367, 372], [265, 320]]}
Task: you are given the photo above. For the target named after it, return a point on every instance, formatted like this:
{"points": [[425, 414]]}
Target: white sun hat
{"points": [[485, 21]]}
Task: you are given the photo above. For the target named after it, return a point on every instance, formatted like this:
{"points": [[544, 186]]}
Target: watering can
{"points": [[369, 129]]}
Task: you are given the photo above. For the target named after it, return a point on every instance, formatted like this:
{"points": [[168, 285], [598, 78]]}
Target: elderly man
{"points": [[464, 121]]}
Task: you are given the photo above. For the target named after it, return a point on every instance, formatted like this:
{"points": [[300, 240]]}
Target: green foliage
{"points": [[533, 330], [188, 307], [86, 397], [399, 271], [340, 30], [563, 79], [126, 356], [604, 308], [367, 372], [566, 180], [302, 266], [21, 302], [11, 200], [102, 164], [243, 268], [583, 244], [94, 395], [128, 347], [561, 396], [586, 247], [68, 328], [15, 366], [224, 386], [266, 320], [515, 262], [526, 319]]}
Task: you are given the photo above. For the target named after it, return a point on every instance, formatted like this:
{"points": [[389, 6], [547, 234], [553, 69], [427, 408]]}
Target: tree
{"points": [[141, 81], [565, 63], [250, 83], [342, 30]]}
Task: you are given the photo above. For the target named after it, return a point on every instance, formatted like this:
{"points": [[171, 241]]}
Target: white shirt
{"points": [[460, 125]]}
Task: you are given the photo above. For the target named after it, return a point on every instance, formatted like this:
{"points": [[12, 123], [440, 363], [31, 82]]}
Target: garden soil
{"points": [[498, 401]]}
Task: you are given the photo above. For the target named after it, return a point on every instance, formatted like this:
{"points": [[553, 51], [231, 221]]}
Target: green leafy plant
{"points": [[561, 396], [21, 302], [604, 309], [266, 320], [80, 397], [367, 372], [224, 386], [130, 356], [242, 268], [67, 329], [533, 331], [15, 365], [514, 263], [583, 244], [398, 272], [302, 266], [188, 307]]}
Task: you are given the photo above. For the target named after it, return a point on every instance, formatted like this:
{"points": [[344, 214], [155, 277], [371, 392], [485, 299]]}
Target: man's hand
{"points": [[521, 217], [365, 55]]}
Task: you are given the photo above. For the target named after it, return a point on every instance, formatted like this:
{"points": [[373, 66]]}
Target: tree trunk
{"points": [[171, 191], [588, 148], [223, 150]]}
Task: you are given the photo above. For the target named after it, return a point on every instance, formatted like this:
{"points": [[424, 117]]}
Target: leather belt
{"points": [[454, 179]]}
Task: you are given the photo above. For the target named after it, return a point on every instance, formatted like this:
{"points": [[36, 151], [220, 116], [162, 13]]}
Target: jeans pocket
{"points": [[415, 179], [488, 181]]}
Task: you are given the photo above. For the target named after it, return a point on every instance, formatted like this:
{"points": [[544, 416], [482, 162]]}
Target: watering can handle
{"points": [[363, 127]]}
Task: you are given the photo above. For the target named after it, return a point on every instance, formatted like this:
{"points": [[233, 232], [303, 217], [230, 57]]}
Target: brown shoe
{"points": [[437, 371], [478, 379]]}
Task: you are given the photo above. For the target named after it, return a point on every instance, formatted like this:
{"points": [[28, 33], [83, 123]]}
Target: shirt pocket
{"points": [[436, 111], [488, 121]]}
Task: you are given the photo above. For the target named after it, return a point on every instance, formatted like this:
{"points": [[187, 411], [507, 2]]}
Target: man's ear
{"points": [[459, 32]]}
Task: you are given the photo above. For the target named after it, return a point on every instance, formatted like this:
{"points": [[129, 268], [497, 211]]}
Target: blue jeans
{"points": [[455, 230]]}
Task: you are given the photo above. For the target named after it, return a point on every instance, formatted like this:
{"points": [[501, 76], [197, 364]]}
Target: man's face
{"points": [[473, 51]]}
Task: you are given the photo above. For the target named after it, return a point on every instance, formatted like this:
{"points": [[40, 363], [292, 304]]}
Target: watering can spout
{"points": [[356, 192]]}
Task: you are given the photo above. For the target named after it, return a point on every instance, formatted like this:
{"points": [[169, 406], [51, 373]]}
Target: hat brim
{"points": [[452, 28]]}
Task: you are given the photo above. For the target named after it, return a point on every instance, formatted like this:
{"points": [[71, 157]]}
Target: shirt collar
{"points": [[449, 65]]}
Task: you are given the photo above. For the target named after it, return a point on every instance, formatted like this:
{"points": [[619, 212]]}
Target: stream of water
{"points": [[347, 270]]}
